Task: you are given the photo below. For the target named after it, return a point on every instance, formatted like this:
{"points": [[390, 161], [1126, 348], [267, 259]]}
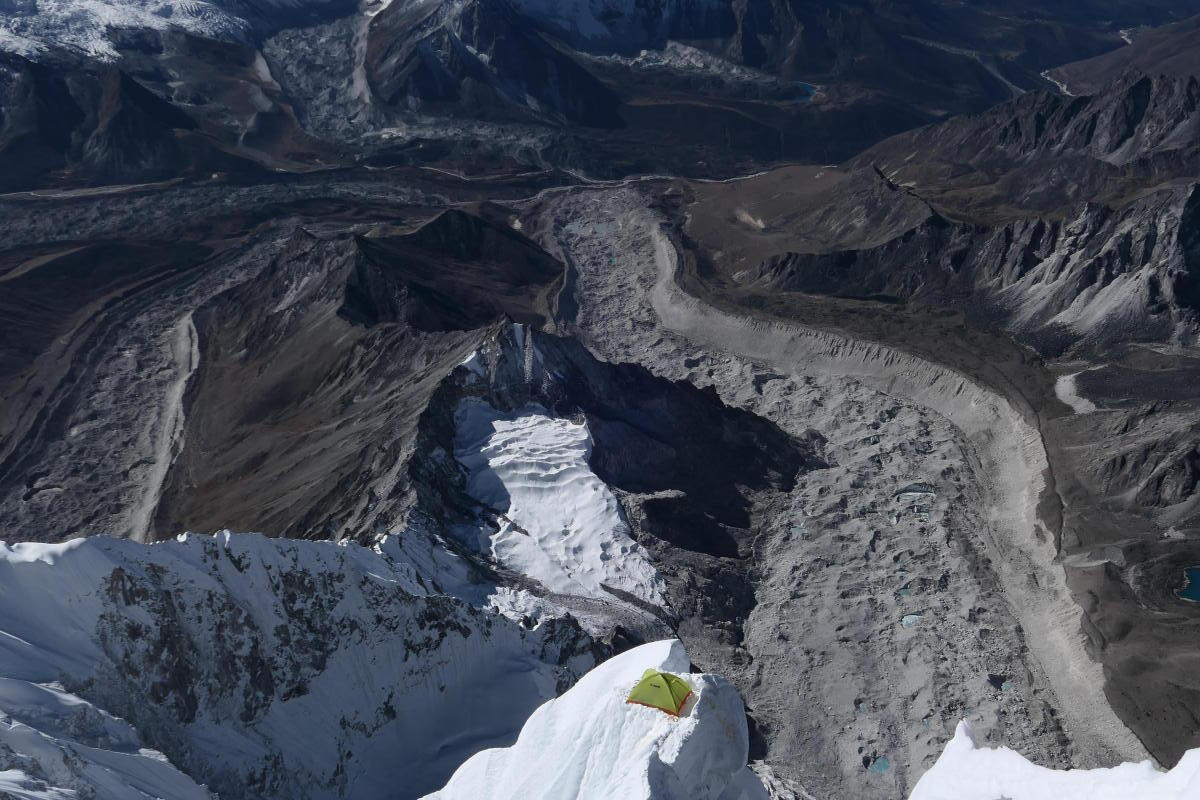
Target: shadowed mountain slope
{"points": [[1172, 50]]}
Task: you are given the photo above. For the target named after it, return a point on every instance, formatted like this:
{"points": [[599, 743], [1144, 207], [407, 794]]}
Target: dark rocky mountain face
{"points": [[1132, 270], [1065, 221], [228, 89], [899, 48], [84, 127], [1043, 153], [479, 59], [345, 317]]}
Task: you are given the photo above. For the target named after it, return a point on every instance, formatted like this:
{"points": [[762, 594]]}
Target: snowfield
{"points": [[264, 668], [83, 25], [28, 28], [591, 744], [968, 772], [560, 525]]}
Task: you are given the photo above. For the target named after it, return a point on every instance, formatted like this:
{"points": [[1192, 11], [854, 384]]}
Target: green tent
{"points": [[661, 690]]}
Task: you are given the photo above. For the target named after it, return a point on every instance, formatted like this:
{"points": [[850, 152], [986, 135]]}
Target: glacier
{"points": [[558, 522]]}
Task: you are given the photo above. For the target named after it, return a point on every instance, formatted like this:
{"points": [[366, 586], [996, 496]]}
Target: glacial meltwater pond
{"points": [[1191, 585]]}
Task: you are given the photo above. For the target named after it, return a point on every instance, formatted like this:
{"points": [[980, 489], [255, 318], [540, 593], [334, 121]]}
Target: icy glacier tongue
{"points": [[266, 668], [968, 772], [561, 525], [590, 744]]}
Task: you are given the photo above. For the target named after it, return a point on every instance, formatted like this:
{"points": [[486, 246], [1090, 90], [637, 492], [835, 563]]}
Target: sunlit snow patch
{"points": [[968, 772], [474, 363], [560, 524]]}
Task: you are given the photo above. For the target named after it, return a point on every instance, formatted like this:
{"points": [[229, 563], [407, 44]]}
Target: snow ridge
{"points": [[591, 744], [968, 772]]}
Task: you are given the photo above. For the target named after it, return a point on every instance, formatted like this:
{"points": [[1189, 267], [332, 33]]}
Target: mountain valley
{"points": [[372, 374]]}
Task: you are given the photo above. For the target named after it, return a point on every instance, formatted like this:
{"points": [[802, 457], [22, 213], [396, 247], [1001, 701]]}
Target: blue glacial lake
{"points": [[1191, 588]]}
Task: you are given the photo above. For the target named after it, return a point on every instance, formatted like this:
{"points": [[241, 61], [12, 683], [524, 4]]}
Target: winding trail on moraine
{"points": [[1010, 459]]}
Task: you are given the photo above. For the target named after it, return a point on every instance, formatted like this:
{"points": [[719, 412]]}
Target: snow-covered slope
{"points": [[591, 744], [560, 524], [968, 772], [56, 746], [272, 668], [84, 25]]}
